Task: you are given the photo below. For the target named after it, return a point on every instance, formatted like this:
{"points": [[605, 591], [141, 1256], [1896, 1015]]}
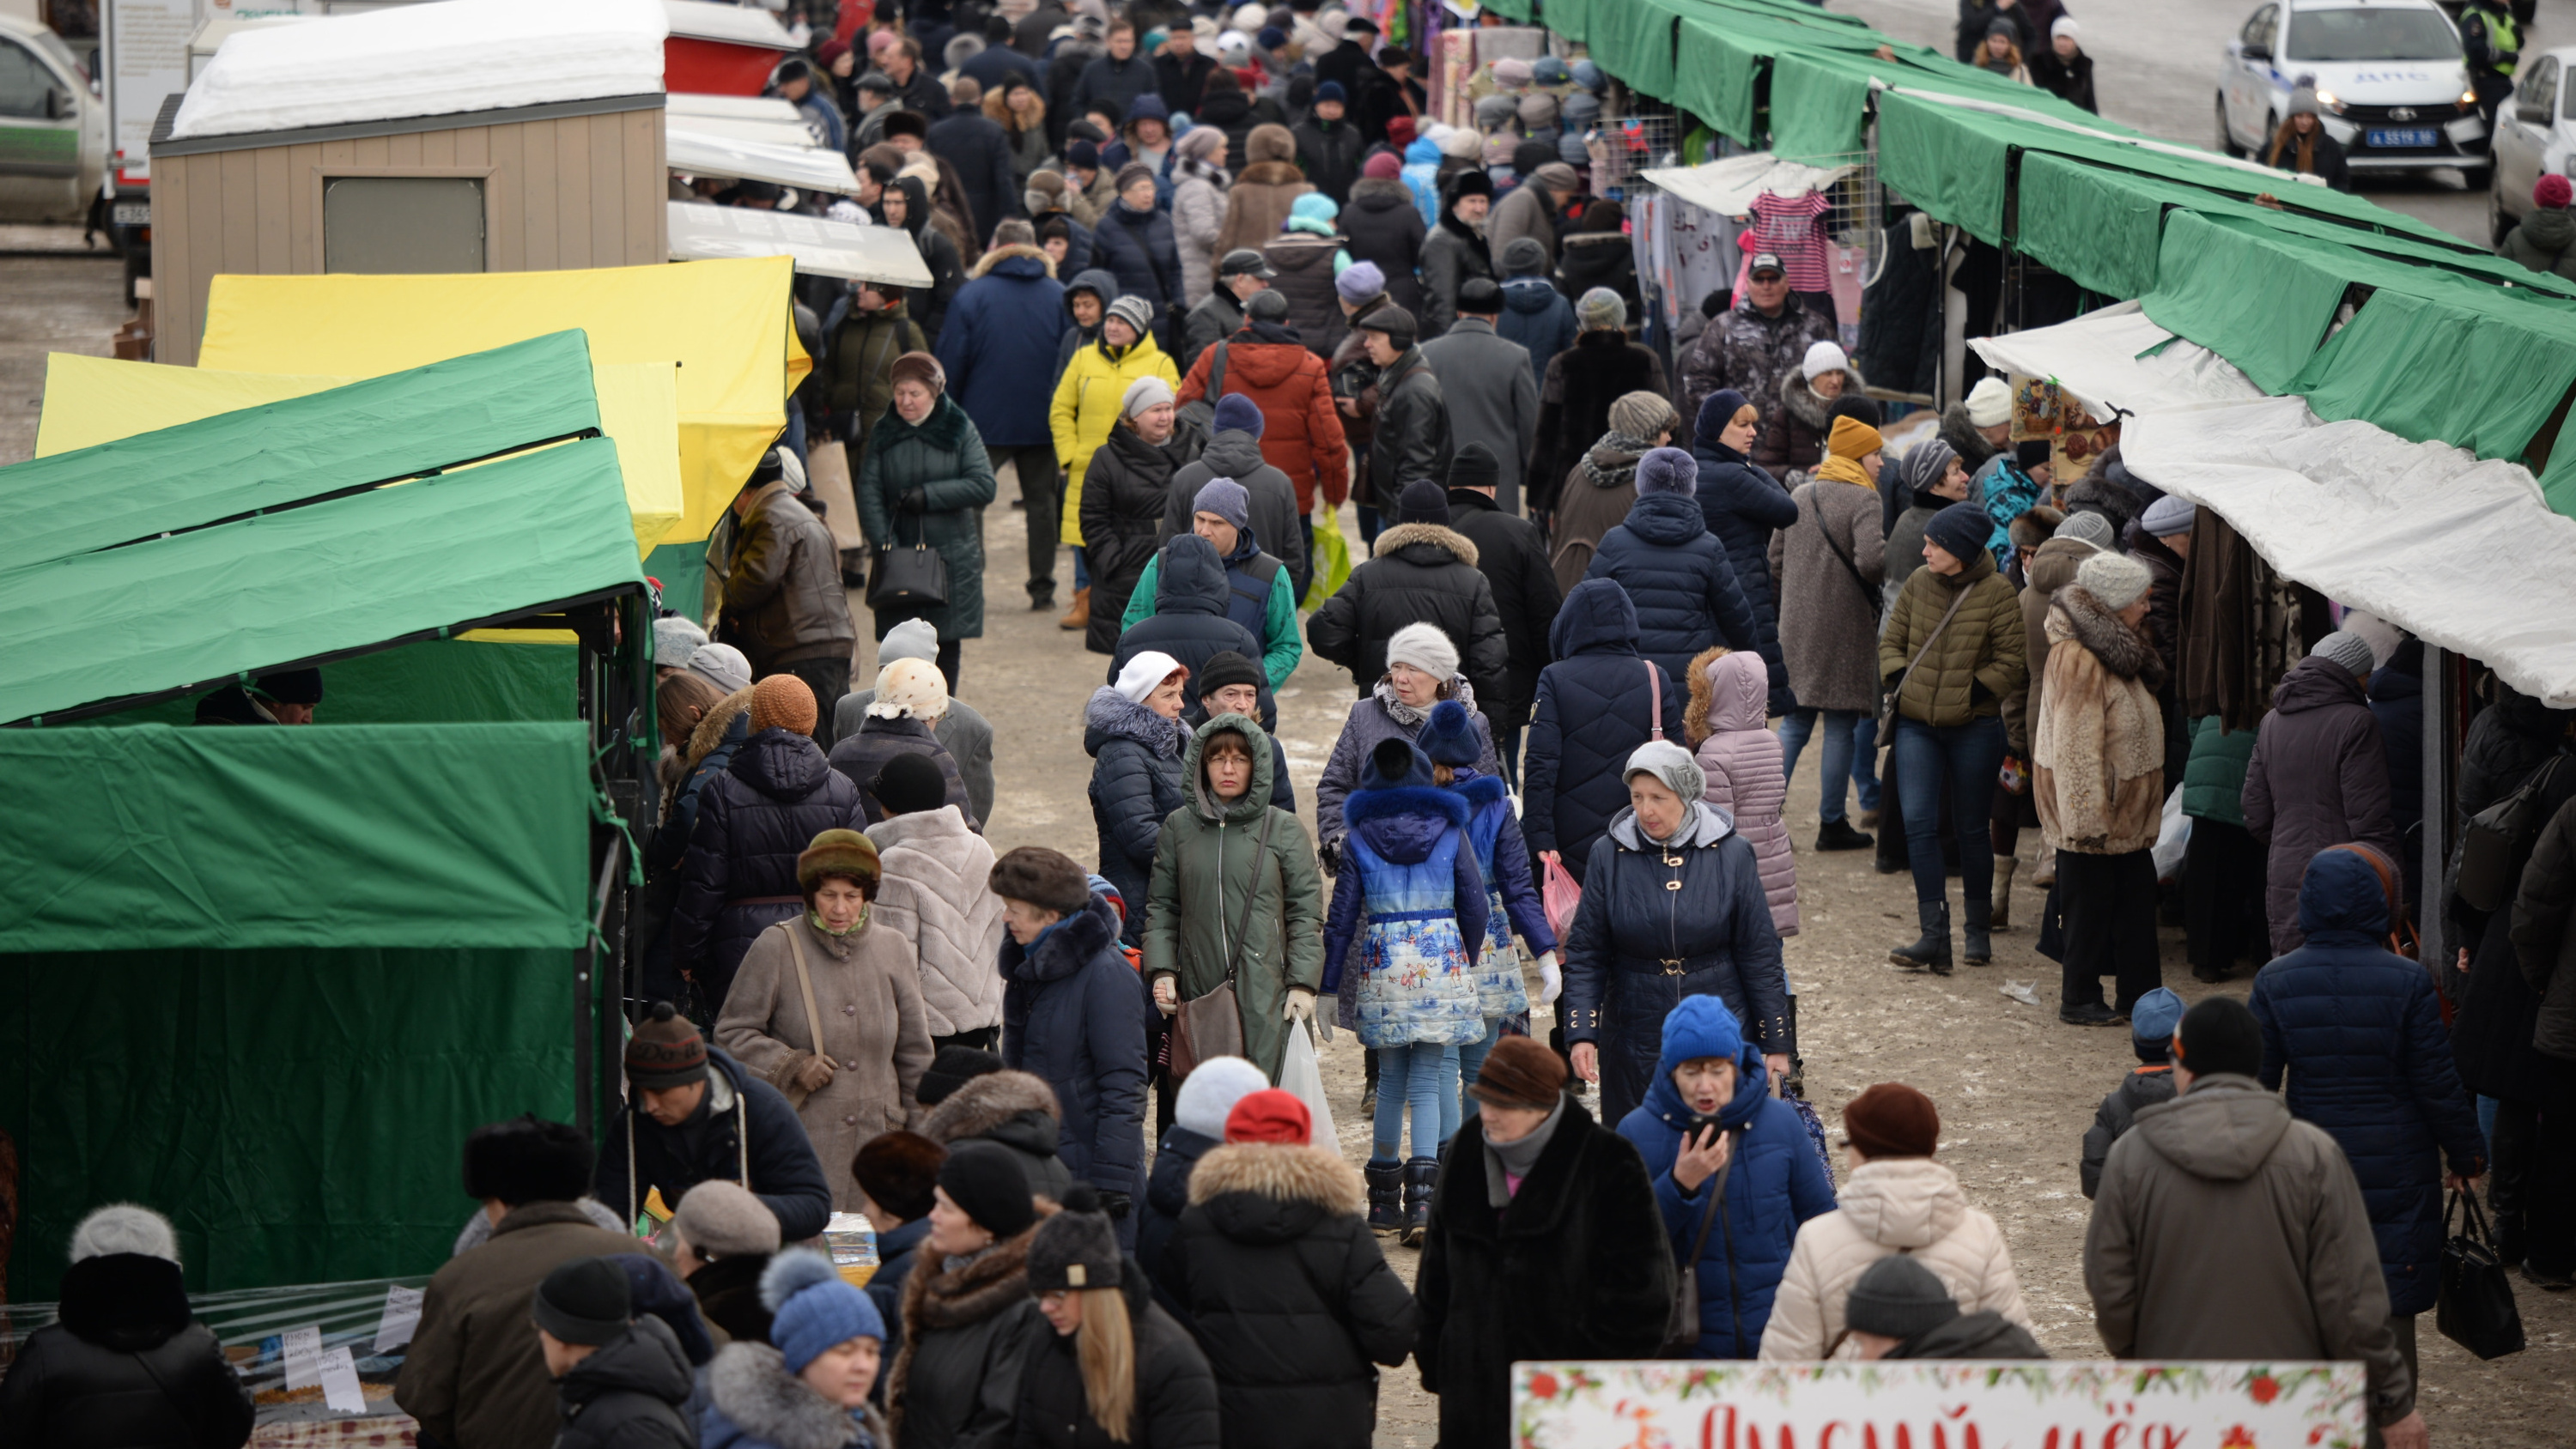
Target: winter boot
{"points": [[1838, 835], [1079, 616], [1930, 951], [1386, 1196], [1974, 947], [2005, 865], [1420, 1173]]}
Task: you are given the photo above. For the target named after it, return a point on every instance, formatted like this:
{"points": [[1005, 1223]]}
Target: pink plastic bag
{"points": [[1558, 894]]}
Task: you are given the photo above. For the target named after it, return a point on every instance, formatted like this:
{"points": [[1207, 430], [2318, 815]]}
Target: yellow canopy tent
{"points": [[92, 400], [728, 323]]}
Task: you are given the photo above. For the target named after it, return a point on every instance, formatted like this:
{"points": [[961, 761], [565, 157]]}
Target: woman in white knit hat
{"points": [[2098, 776]]}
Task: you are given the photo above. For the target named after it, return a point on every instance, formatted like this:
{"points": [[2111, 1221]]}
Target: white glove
{"points": [[1551, 981], [1166, 996], [1301, 1005]]}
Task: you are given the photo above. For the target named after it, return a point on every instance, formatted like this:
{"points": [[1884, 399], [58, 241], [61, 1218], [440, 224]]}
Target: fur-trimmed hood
{"points": [[989, 1102], [1404, 823], [1282, 1173], [1964, 439], [999, 255], [710, 729], [748, 1383], [1271, 173], [1380, 193], [2073, 613], [1407, 535], [1812, 411], [1113, 716]]}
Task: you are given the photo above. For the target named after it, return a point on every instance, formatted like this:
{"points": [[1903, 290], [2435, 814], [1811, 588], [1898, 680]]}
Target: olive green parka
{"points": [[1203, 862], [1980, 660]]}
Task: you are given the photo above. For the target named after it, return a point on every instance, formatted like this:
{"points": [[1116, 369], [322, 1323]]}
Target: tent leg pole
{"points": [[582, 1027], [2441, 698]]}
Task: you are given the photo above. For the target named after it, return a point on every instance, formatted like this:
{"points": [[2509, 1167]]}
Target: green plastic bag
{"points": [[1332, 559]]}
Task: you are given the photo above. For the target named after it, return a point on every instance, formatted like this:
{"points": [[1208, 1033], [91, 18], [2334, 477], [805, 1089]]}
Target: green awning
{"points": [[239, 838], [2254, 296], [1633, 40], [280, 454], [2435, 356], [474, 546], [2100, 227]]}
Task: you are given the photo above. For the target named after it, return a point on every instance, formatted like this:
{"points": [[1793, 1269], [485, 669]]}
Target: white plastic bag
{"points": [[2172, 837], [1301, 1074]]}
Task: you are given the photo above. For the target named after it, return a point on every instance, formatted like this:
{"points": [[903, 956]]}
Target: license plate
{"points": [[2397, 139], [131, 213]]}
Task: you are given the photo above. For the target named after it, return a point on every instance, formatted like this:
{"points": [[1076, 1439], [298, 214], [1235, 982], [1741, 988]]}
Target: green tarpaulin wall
{"points": [[437, 681], [299, 1114], [451, 836], [347, 574], [283, 453]]}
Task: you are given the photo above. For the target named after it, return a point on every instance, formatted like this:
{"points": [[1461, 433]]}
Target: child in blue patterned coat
{"points": [[1409, 894], [1512, 901]]}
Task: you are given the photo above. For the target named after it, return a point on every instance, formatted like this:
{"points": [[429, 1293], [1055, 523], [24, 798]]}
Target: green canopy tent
{"points": [[265, 979]]}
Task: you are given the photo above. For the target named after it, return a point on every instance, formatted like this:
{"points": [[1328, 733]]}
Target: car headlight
{"points": [[2328, 100], [2468, 97]]}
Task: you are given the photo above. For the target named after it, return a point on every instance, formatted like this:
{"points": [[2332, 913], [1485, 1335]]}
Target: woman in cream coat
{"points": [[860, 1079], [1897, 1200]]}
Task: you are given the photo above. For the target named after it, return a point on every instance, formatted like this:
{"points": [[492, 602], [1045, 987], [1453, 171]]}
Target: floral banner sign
{"points": [[1692, 1404]]}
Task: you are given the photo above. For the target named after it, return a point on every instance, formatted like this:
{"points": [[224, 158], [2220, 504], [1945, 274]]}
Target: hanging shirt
{"points": [[1785, 226]]}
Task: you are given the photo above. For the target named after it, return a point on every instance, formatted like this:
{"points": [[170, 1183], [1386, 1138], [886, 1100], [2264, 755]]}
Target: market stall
{"points": [[341, 945]]}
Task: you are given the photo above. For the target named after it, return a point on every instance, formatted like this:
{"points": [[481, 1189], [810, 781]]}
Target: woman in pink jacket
{"points": [[1729, 697]]}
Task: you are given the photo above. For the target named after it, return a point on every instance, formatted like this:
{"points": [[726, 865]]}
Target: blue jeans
{"points": [[1864, 770], [1472, 1057], [1423, 1076], [1081, 567], [1796, 725], [1967, 756]]}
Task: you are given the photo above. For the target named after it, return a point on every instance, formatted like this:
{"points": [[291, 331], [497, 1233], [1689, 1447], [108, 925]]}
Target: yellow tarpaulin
{"points": [[727, 323], [92, 400]]}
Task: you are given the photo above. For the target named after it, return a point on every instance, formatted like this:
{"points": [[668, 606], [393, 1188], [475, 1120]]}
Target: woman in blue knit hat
{"points": [[1512, 902], [1716, 1141], [1410, 896], [808, 1386]]}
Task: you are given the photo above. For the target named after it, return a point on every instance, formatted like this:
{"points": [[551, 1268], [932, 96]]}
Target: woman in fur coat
{"points": [[2098, 773], [1742, 761]]}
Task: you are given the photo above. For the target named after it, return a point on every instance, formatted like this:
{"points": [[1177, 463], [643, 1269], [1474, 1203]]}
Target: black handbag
{"points": [[909, 578], [2476, 1310], [2499, 838]]}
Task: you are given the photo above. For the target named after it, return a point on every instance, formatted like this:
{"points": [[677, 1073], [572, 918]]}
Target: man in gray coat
{"points": [[964, 734], [2226, 1229], [1488, 387], [1530, 210]]}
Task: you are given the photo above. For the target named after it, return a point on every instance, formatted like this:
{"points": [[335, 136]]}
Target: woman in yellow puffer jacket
{"points": [[1087, 404]]}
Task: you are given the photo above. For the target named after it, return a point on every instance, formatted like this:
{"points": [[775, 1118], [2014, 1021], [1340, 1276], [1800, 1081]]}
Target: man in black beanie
{"points": [[2226, 1229], [621, 1379], [1899, 1309], [471, 1377], [1229, 683], [1410, 438], [1512, 555]]}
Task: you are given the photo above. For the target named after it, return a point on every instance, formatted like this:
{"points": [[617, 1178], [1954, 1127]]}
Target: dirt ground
{"points": [[2016, 1089]]}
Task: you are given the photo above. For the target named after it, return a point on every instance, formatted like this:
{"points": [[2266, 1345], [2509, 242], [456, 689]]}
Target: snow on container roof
{"points": [[442, 58]]}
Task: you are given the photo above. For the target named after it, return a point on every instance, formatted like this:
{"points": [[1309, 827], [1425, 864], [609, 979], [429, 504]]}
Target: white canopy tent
{"points": [[2460, 551], [765, 119], [807, 168], [825, 248], [425, 60], [1728, 187]]}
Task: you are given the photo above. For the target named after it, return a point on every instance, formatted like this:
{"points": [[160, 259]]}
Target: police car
{"points": [[2392, 84]]}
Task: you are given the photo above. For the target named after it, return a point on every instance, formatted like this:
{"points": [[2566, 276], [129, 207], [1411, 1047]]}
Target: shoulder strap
{"points": [[1867, 593], [805, 985], [1655, 695], [1251, 891]]}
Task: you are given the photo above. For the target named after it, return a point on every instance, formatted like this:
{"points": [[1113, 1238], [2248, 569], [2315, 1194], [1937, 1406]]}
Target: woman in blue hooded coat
{"points": [[1512, 901], [1674, 569], [1672, 908], [1595, 705], [1410, 897], [1076, 1014], [1744, 506], [2361, 1034], [1133, 732], [1711, 1095]]}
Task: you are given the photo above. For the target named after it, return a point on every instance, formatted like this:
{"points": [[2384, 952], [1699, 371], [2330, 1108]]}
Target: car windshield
{"points": [[2373, 34]]}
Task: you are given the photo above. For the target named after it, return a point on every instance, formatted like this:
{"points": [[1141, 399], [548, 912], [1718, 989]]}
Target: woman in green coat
{"points": [[925, 479], [1207, 857]]}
